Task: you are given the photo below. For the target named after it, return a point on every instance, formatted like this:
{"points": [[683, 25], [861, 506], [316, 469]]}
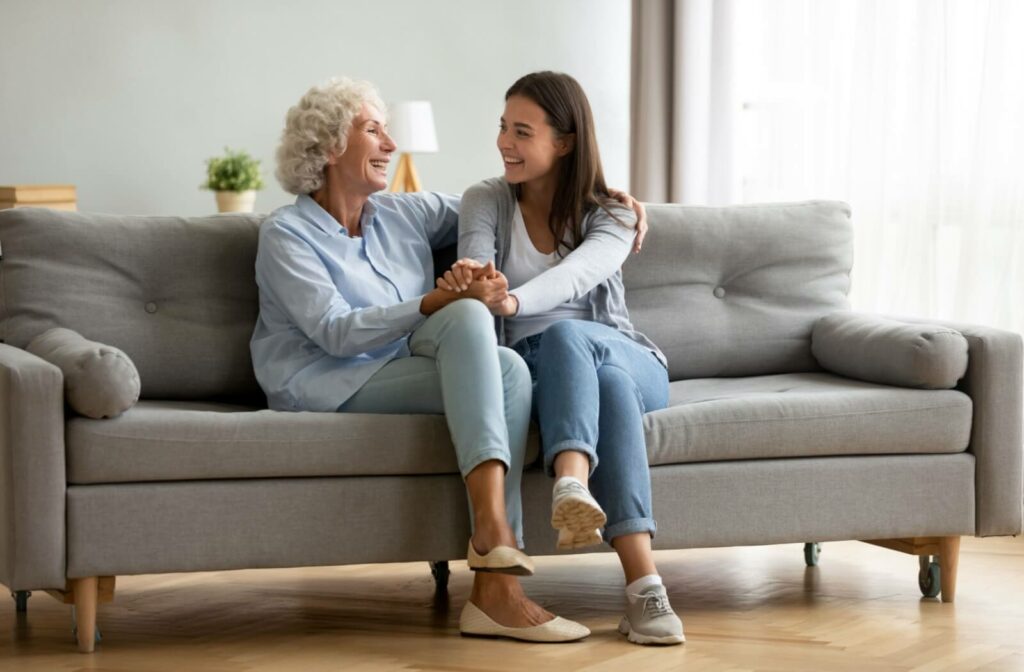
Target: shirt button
{"points": [[150, 307], [719, 292]]}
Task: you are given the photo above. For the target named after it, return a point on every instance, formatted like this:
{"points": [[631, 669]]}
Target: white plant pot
{"points": [[235, 201]]}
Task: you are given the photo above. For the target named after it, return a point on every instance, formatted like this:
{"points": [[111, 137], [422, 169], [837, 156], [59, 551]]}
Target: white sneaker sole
{"points": [[569, 540], [639, 638], [577, 514]]}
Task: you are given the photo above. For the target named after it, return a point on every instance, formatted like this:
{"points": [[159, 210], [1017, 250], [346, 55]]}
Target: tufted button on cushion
{"points": [[150, 307], [719, 292]]}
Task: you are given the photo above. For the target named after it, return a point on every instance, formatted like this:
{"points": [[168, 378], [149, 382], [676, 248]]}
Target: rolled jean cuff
{"points": [[481, 456], [631, 526], [570, 444]]}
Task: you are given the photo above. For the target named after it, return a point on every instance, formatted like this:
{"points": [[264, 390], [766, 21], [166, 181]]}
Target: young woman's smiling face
{"points": [[529, 146]]}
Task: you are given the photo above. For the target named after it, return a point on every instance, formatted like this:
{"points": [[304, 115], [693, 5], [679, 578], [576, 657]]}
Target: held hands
{"points": [[482, 282], [641, 216]]}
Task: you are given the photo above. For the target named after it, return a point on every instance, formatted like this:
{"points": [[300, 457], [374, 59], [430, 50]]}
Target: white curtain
{"points": [[913, 112]]}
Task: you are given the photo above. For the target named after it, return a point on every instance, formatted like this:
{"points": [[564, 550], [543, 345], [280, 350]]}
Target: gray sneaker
{"points": [[650, 620]]}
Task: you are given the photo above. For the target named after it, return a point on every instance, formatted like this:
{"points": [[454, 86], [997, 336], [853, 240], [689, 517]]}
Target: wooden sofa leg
{"points": [[86, 592], [944, 549], [949, 559]]}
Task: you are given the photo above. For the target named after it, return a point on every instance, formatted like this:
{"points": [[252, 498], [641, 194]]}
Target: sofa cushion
{"points": [[794, 415], [178, 295], [735, 291], [178, 440], [100, 381], [803, 415], [883, 350]]}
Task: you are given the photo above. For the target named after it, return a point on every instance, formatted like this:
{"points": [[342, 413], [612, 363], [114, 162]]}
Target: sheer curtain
{"points": [[913, 112]]}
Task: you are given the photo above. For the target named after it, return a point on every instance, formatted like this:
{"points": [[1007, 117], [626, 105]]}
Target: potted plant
{"points": [[234, 177]]}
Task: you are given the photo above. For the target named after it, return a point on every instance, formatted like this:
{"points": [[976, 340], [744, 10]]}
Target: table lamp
{"points": [[411, 126]]}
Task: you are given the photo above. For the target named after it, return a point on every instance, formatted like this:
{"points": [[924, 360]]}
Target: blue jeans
{"points": [[592, 388], [483, 390]]}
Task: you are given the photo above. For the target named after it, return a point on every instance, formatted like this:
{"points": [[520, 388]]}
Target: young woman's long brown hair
{"points": [[581, 186]]}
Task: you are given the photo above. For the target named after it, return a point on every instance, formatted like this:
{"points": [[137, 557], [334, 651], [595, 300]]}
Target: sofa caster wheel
{"points": [[21, 600], [811, 553], [441, 573], [74, 627], [929, 578]]}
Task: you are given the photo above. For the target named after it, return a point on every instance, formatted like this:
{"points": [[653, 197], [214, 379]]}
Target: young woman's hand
{"points": [[462, 273], [508, 307], [491, 288], [641, 216]]}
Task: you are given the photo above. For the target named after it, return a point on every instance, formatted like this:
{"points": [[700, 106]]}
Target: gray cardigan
{"points": [[592, 270]]}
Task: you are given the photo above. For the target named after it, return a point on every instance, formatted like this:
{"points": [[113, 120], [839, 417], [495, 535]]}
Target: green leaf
{"points": [[235, 171]]}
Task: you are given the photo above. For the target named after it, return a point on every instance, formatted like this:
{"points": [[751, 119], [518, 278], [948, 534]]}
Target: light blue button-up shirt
{"points": [[335, 309]]}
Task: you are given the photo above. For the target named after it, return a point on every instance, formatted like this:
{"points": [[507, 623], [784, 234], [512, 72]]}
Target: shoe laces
{"points": [[575, 487], [656, 605]]}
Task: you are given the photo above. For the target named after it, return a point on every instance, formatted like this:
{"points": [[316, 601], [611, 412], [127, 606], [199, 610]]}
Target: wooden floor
{"points": [[744, 609]]}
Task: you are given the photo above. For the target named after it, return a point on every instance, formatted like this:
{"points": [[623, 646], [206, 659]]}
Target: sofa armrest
{"points": [[32, 472], [994, 381]]}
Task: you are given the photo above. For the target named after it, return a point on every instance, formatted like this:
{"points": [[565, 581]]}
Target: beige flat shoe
{"points": [[475, 623], [500, 559]]}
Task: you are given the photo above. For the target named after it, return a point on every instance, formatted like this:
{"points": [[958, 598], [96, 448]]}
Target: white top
{"points": [[523, 264]]}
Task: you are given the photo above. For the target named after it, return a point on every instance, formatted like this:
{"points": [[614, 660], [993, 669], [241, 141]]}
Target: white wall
{"points": [[125, 99]]}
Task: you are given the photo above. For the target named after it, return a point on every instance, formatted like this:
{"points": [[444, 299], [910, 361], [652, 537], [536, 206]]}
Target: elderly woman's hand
{"points": [[641, 216], [462, 273]]}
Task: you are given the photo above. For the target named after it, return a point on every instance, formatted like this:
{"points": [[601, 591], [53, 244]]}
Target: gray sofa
{"points": [[761, 444]]}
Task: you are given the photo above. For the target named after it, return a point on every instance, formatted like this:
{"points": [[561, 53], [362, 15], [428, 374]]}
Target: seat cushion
{"points": [[177, 440], [803, 415], [789, 415]]}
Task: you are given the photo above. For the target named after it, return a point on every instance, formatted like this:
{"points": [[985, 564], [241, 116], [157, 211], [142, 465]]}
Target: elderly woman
{"points": [[350, 322]]}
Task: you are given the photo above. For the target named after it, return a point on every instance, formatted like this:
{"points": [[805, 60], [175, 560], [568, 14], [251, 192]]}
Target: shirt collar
{"points": [[324, 221]]}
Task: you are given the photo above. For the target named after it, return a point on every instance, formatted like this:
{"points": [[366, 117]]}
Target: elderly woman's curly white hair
{"points": [[318, 124]]}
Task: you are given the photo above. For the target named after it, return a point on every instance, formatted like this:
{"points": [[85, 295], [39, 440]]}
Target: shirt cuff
{"points": [[407, 315]]}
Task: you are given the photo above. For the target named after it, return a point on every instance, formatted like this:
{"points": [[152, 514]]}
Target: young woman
{"points": [[551, 227]]}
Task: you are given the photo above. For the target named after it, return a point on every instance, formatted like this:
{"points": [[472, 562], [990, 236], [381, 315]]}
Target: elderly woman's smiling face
{"points": [[363, 167]]}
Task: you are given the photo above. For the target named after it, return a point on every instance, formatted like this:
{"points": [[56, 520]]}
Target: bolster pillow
{"points": [[100, 381], [881, 350]]}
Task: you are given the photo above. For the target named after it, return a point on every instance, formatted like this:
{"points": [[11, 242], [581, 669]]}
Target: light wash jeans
{"points": [[484, 391], [592, 388]]}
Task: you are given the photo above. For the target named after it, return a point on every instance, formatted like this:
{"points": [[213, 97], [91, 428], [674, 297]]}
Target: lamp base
{"points": [[405, 178]]}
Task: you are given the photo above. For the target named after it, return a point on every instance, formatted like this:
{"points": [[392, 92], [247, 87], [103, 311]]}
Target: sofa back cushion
{"points": [[735, 291], [177, 295], [728, 291]]}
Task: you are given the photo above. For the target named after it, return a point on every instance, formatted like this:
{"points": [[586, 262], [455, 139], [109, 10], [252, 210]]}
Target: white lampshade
{"points": [[411, 125]]}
